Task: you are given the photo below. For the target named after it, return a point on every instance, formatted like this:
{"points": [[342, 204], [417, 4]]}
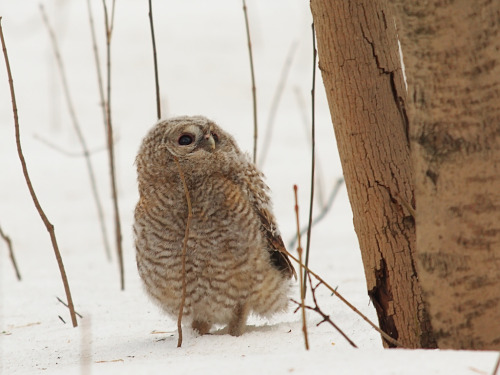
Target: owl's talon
{"points": [[201, 327]]}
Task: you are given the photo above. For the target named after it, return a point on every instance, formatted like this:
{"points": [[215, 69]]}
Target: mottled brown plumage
{"points": [[235, 262]]}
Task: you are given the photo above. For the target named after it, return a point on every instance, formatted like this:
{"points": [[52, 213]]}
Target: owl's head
{"points": [[197, 143], [194, 137]]}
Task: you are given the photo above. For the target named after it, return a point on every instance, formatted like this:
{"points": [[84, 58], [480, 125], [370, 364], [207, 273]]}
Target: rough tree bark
{"points": [[452, 59], [361, 70]]}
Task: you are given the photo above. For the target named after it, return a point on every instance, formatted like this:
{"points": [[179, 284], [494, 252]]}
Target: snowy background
{"points": [[204, 69]]}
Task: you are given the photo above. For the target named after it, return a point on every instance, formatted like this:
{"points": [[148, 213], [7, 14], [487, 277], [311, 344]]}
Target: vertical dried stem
{"points": [[111, 152], [313, 156], [11, 252], [76, 126], [254, 89], [184, 250], [302, 284], [275, 103], [319, 194], [98, 65], [112, 23], [157, 84], [48, 224]]}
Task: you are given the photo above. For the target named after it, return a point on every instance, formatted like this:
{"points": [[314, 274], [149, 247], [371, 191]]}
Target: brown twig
{"points": [[313, 155], [79, 133], [254, 89], [48, 224], [184, 250], [157, 84], [66, 305], [275, 103], [346, 302], [326, 318], [302, 285], [111, 152], [324, 210], [97, 65], [11, 252]]}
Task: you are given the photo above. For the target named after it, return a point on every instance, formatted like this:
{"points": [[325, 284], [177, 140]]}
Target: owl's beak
{"points": [[210, 139]]}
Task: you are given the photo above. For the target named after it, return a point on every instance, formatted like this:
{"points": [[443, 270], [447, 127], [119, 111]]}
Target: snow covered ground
{"points": [[204, 69]]}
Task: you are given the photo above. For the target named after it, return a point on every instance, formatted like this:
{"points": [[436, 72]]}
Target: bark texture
{"points": [[361, 70], [452, 58]]}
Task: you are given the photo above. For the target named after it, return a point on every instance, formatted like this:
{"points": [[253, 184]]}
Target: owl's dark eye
{"points": [[185, 139], [216, 137]]}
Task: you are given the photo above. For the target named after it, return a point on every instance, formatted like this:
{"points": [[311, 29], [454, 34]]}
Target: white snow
{"points": [[204, 69]]}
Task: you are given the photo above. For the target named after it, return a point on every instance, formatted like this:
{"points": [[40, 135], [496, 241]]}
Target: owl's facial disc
{"points": [[191, 139]]}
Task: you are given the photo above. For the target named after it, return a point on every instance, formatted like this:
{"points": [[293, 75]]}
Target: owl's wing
{"points": [[275, 244]]}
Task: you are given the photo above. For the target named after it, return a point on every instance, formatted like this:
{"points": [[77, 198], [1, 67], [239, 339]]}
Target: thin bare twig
{"points": [[275, 103], [111, 152], [346, 302], [157, 84], [326, 318], [112, 23], [324, 210], [254, 89], [313, 155], [184, 250], [79, 133], [325, 204], [100, 84], [302, 285], [301, 105], [11, 253], [66, 305], [48, 224], [70, 154]]}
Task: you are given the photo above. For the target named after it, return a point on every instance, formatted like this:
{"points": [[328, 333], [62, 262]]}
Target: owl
{"points": [[235, 262]]}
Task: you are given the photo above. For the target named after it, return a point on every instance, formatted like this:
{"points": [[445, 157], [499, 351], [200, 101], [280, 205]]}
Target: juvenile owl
{"points": [[235, 262]]}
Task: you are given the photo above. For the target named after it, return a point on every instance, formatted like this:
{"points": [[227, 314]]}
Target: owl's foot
{"points": [[238, 323], [201, 327]]}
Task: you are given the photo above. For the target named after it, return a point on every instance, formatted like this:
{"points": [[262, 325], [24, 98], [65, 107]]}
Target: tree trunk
{"points": [[452, 59], [361, 70]]}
